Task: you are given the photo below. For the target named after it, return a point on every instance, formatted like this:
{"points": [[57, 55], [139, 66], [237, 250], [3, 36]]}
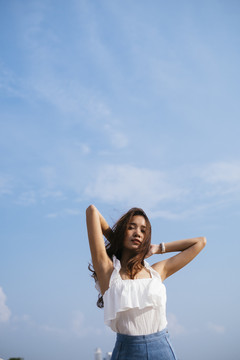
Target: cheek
{"points": [[128, 233], [126, 241], [127, 236]]}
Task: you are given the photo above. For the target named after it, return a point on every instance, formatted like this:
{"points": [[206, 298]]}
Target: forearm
{"points": [[181, 245]]}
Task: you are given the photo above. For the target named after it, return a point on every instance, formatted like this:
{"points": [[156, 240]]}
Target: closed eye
{"points": [[131, 227]]}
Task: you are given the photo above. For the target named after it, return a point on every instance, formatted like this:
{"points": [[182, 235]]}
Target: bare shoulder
{"points": [[159, 267]]}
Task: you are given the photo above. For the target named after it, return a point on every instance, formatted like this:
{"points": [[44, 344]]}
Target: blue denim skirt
{"points": [[155, 346]]}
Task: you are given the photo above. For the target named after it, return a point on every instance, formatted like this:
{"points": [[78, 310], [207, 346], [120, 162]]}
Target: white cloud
{"points": [[168, 215], [85, 148], [78, 323], [41, 46], [19, 321], [72, 211], [132, 186], [31, 197], [52, 215], [49, 176], [117, 138], [57, 194], [76, 327], [5, 187], [174, 326], [10, 84], [25, 318], [53, 329], [27, 198], [79, 327], [219, 329], [5, 312], [222, 172], [69, 97], [63, 213], [219, 180]]}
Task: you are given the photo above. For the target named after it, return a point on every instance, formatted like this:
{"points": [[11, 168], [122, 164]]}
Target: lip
{"points": [[136, 241]]}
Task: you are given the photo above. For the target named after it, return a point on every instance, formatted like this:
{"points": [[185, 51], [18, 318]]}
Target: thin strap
{"points": [[153, 272], [116, 263], [115, 274]]}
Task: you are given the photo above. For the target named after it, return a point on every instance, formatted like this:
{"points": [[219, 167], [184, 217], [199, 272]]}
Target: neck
{"points": [[126, 255]]}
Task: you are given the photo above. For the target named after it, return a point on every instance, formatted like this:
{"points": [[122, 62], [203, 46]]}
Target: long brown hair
{"points": [[114, 246]]}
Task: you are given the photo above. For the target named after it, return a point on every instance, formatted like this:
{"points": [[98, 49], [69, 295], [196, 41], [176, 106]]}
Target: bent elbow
{"points": [[203, 241], [90, 209]]}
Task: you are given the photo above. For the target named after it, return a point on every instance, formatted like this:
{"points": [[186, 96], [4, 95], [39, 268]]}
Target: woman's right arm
{"points": [[97, 226]]}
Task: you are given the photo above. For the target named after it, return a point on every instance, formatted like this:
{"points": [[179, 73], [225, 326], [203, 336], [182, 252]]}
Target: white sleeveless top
{"points": [[135, 307]]}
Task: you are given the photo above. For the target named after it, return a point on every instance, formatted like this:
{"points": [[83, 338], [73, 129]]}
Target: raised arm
{"points": [[97, 226], [189, 249]]}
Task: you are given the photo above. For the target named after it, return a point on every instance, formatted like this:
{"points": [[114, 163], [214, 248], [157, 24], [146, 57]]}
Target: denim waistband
{"points": [[141, 338]]}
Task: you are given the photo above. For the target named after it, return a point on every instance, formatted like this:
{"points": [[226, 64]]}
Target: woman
{"points": [[132, 292]]}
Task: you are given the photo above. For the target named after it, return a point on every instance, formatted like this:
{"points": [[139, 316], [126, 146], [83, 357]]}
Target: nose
{"points": [[137, 232]]}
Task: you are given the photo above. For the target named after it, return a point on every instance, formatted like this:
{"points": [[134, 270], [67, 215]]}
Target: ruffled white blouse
{"points": [[135, 307]]}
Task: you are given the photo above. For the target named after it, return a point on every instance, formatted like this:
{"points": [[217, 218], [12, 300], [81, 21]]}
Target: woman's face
{"points": [[135, 233]]}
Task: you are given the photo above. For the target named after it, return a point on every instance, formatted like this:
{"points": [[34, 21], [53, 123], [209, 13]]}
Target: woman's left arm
{"points": [[189, 249]]}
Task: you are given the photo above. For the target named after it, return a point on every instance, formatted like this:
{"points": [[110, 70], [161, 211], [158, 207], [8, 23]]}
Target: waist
{"points": [[138, 339], [139, 321]]}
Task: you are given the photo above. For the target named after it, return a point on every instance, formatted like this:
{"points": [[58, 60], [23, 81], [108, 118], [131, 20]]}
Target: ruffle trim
{"points": [[114, 276], [123, 295]]}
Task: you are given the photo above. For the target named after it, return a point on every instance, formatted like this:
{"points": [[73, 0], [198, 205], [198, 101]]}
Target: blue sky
{"points": [[120, 104]]}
